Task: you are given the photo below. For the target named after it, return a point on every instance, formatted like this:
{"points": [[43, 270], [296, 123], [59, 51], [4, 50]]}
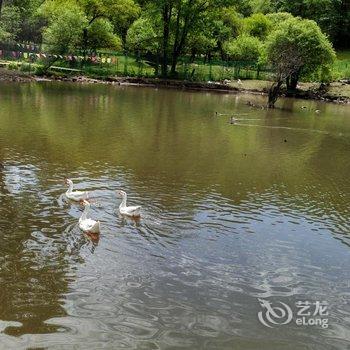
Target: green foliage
{"points": [[64, 32], [13, 66], [121, 13], [244, 48], [263, 31], [10, 22], [298, 46], [4, 35], [261, 6], [278, 17], [201, 43], [333, 16], [98, 23], [40, 71], [142, 36], [232, 20], [26, 67], [126, 13], [100, 35], [257, 25], [213, 29], [30, 24]]}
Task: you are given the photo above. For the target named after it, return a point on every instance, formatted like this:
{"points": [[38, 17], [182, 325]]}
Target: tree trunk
{"points": [[274, 93], [175, 53], [166, 30], [221, 51], [123, 37], [193, 55], [292, 81], [178, 47], [181, 33], [174, 60]]}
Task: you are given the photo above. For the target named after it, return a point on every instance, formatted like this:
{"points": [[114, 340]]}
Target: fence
{"points": [[104, 63]]}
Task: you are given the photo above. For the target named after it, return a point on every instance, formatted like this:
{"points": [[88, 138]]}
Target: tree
{"points": [[223, 24], [142, 36], [187, 15], [125, 15], [63, 34], [22, 18], [297, 47], [333, 16], [100, 35], [120, 12], [177, 20], [200, 44], [244, 48], [97, 31], [10, 22], [103, 20], [257, 25]]}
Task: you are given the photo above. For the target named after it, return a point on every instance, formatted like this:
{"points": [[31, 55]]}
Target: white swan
{"points": [[75, 195], [88, 225], [124, 209]]}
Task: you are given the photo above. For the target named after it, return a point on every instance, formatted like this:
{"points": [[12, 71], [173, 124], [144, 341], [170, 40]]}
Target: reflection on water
{"points": [[231, 213]]}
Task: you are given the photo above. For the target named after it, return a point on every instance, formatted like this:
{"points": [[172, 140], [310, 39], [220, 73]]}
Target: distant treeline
{"points": [[167, 29]]}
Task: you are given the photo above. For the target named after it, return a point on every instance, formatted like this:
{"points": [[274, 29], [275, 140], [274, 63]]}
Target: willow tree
{"points": [[295, 49]]}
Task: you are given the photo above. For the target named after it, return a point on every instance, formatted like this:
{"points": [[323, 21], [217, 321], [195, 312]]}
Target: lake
{"points": [[244, 237]]}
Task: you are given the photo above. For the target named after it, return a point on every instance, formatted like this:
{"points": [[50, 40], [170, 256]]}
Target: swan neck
{"points": [[85, 212], [123, 203], [70, 188]]}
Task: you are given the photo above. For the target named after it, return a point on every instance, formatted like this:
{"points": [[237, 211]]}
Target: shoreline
{"points": [[303, 94]]}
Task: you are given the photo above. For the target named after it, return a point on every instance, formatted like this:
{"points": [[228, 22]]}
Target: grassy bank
{"points": [[335, 92], [199, 70]]}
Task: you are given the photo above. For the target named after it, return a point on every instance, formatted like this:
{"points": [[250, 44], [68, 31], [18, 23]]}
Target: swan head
{"points": [[68, 182], [121, 193]]}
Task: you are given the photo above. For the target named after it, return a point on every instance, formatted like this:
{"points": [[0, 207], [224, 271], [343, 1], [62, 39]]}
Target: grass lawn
{"points": [[197, 71], [342, 65]]}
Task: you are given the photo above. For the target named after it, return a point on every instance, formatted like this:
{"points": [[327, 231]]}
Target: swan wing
{"points": [[77, 195], [135, 210], [89, 225]]}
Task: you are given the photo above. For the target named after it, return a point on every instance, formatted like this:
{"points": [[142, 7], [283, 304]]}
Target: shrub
{"points": [[26, 67], [13, 66], [40, 70]]}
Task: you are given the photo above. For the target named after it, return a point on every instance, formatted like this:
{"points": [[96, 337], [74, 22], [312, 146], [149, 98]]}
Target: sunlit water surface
{"points": [[231, 214]]}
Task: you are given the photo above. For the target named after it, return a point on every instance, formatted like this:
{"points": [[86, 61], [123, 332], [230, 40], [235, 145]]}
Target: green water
{"points": [[231, 213]]}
